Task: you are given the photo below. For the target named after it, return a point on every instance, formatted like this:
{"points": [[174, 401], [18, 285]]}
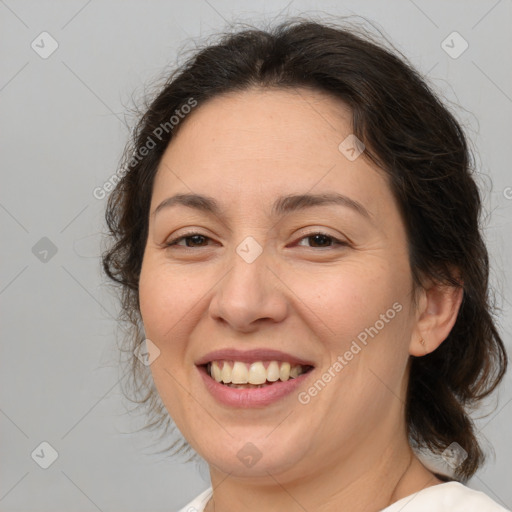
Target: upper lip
{"points": [[250, 356]]}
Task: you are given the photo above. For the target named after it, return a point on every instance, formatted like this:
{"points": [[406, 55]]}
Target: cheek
{"points": [[164, 299], [164, 309], [167, 311], [351, 298], [361, 318]]}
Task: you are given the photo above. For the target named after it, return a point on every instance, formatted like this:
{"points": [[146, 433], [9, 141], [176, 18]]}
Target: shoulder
{"points": [[447, 497], [199, 503]]}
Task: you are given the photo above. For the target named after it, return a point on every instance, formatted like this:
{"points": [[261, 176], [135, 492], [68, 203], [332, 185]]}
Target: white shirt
{"points": [[445, 497]]}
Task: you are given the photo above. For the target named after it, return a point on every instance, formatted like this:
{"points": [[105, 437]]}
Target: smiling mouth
{"points": [[258, 374]]}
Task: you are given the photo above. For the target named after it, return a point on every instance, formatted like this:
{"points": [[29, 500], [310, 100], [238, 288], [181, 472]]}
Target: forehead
{"points": [[267, 142], [267, 124]]}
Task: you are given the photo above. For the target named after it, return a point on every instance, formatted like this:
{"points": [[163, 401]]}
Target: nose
{"points": [[249, 295]]}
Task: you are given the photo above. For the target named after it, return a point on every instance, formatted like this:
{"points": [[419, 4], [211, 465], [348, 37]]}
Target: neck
{"points": [[375, 481]]}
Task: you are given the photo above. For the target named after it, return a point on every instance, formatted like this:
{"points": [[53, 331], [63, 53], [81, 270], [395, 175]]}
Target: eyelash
{"points": [[308, 235]]}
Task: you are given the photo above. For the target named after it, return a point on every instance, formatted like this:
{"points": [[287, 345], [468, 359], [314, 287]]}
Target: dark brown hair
{"points": [[408, 134]]}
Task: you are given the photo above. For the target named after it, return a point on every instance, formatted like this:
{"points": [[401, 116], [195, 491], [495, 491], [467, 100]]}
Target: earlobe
{"points": [[424, 346], [438, 310]]}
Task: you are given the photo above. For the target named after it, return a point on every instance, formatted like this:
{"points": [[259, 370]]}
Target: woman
{"points": [[297, 228]]}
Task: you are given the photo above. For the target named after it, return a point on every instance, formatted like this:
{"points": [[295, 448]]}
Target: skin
{"points": [[347, 448]]}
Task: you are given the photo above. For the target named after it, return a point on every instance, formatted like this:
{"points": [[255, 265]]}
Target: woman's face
{"points": [[256, 276]]}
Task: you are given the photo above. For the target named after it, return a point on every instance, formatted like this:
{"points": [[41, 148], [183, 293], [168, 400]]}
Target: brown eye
{"points": [[321, 240], [191, 240]]}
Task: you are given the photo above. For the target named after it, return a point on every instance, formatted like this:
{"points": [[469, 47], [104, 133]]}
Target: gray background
{"points": [[63, 131]]}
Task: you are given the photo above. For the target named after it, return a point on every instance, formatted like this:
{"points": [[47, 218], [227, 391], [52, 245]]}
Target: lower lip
{"points": [[250, 397]]}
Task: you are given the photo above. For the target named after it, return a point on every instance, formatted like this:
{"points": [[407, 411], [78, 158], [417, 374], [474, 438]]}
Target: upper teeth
{"points": [[237, 372]]}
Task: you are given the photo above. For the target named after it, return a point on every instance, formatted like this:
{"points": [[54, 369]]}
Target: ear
{"points": [[438, 307]]}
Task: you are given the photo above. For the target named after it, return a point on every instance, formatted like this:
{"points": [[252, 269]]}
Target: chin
{"points": [[254, 458]]}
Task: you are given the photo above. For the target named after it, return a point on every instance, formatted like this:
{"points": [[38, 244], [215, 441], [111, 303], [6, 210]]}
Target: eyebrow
{"points": [[282, 206]]}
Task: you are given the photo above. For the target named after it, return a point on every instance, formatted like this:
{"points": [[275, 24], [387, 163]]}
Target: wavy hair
{"points": [[410, 135]]}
